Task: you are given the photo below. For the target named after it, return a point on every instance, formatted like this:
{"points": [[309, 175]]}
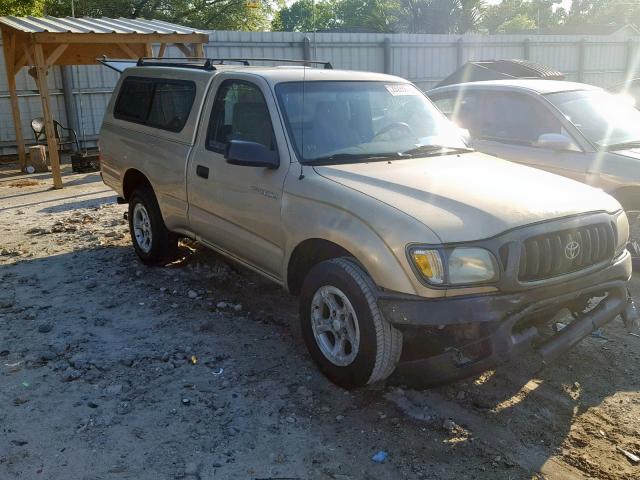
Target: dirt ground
{"points": [[110, 369]]}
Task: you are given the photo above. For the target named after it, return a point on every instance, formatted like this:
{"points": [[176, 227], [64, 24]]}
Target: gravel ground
{"points": [[110, 369]]}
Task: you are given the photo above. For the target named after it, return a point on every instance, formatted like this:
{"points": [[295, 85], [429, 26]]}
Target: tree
{"points": [[300, 16], [369, 15], [531, 15], [604, 13], [440, 16], [518, 24], [470, 13], [21, 8], [205, 14]]}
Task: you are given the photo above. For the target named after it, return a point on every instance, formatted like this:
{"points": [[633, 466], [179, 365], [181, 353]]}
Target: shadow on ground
{"points": [[129, 374]]}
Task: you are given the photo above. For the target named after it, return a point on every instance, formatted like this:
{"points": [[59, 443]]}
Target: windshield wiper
{"points": [[352, 157], [623, 145], [424, 150]]}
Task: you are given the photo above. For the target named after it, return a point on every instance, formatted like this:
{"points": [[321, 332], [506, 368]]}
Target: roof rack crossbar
{"points": [[209, 63], [182, 62], [327, 65]]}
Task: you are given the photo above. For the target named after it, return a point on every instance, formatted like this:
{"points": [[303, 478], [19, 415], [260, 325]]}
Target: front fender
{"points": [[376, 234]]}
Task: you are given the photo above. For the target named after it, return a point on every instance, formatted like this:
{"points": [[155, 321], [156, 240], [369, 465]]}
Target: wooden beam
{"points": [[128, 51], [8, 45], [148, 50], [184, 49], [163, 48], [25, 59], [55, 55], [41, 69], [198, 50], [87, 38]]}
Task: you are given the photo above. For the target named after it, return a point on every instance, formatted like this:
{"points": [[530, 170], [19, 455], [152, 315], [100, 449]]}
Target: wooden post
{"points": [[163, 48], [198, 50], [41, 69], [9, 47], [148, 50]]}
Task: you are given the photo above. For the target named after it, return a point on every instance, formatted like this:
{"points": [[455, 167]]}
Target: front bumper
{"points": [[498, 327]]}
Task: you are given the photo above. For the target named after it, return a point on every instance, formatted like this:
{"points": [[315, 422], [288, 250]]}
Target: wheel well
{"points": [[306, 255], [629, 197], [132, 180]]}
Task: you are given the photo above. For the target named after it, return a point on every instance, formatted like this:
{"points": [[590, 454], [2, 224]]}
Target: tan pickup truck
{"points": [[351, 190]]}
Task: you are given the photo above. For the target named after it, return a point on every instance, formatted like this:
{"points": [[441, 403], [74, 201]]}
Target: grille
{"points": [[566, 251]]}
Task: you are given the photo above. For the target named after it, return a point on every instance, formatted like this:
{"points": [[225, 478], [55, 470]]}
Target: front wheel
{"points": [[634, 232], [345, 332]]}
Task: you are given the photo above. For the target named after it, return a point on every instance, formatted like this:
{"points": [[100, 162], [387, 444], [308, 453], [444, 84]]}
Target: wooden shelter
{"points": [[42, 42]]}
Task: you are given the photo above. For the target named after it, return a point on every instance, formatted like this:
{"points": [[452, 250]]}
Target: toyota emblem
{"points": [[572, 250]]}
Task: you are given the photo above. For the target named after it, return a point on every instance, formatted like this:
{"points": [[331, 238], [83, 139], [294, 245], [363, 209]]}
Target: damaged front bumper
{"points": [[480, 332]]}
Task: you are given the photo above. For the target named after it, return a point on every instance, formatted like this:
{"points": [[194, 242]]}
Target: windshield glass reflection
{"points": [[361, 120]]}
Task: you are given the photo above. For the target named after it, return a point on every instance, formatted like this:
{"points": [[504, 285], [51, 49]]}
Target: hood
{"points": [[470, 196]]}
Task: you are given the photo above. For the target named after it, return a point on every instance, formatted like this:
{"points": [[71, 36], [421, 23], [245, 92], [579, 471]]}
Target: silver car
{"points": [[571, 129]]}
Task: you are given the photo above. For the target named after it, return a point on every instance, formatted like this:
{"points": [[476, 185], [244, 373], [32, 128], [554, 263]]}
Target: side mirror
{"points": [[465, 134], [251, 154], [554, 141]]}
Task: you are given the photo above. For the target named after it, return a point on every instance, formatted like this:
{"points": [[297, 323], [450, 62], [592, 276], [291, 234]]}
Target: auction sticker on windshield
{"points": [[397, 89]]}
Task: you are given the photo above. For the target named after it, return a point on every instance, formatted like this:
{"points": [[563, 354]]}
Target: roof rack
{"points": [[326, 65], [210, 63]]}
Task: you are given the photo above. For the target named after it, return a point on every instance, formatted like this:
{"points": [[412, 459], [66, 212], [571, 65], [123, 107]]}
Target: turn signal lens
{"points": [[429, 264]]}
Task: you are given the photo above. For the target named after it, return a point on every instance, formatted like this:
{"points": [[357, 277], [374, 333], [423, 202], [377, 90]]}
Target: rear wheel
{"points": [[154, 244], [345, 333]]}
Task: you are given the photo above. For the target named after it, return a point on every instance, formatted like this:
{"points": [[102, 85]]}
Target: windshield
{"points": [[605, 119], [362, 120]]}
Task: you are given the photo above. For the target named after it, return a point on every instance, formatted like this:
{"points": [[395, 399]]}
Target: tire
{"points": [[633, 214], [162, 245], [378, 344]]}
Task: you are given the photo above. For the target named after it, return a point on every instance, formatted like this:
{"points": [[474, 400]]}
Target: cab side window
{"points": [[155, 102], [462, 108], [239, 112], [515, 118]]}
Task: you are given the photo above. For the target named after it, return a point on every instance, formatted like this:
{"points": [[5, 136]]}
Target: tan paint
{"points": [[259, 216]]}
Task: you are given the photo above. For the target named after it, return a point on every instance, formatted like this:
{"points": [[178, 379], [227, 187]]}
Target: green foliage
{"points": [[205, 14], [407, 16], [604, 13], [300, 16], [522, 15], [411, 16], [518, 24], [440, 16], [21, 8]]}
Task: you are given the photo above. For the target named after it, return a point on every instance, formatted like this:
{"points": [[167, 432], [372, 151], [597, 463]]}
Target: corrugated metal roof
{"points": [[93, 25]]}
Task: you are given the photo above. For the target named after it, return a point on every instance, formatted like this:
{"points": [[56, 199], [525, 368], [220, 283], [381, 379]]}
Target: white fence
{"points": [[423, 59]]}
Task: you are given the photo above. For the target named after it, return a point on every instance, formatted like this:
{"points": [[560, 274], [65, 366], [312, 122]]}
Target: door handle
{"points": [[202, 171]]}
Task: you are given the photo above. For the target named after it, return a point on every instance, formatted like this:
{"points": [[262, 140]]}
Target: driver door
{"points": [[236, 208]]}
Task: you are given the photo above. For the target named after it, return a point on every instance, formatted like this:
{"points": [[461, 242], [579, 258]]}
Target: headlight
{"points": [[471, 265], [622, 228], [458, 266]]}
